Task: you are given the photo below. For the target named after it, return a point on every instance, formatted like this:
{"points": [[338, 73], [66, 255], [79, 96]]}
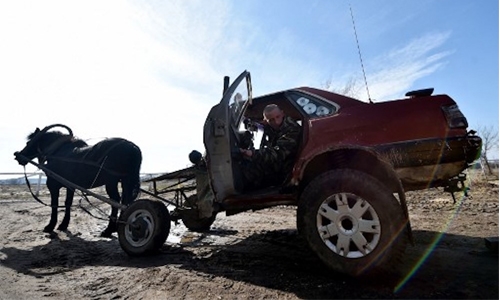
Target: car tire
{"points": [[193, 223], [143, 227], [353, 223], [190, 217]]}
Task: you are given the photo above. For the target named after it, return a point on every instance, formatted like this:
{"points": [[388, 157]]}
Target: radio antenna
{"points": [[360, 58]]}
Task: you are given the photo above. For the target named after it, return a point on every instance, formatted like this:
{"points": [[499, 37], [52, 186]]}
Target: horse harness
{"points": [[94, 161], [43, 155], [52, 148]]}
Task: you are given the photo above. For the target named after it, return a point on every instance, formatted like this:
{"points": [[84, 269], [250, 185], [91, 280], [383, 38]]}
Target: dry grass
{"points": [[479, 177]]}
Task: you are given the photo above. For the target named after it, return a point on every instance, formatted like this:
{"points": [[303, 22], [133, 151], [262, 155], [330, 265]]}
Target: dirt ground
{"points": [[252, 255]]}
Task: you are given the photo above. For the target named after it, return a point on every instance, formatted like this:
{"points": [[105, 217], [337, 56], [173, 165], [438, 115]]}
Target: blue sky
{"points": [[149, 71]]}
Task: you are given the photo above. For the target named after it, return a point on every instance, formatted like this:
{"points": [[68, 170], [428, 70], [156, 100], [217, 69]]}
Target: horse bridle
{"points": [[37, 135], [42, 155]]}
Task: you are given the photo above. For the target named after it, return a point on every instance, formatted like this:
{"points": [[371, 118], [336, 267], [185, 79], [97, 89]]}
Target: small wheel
{"points": [[143, 227], [196, 224], [352, 222], [191, 219]]}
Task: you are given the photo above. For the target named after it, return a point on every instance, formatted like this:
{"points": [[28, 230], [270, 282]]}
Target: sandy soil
{"points": [[253, 255]]}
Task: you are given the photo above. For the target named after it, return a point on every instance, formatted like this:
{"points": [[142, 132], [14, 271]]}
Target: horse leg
{"points": [[112, 190], [54, 202], [130, 190], [67, 213]]}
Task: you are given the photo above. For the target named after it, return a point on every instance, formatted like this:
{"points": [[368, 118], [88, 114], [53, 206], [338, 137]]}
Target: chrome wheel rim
{"points": [[139, 228], [348, 225]]}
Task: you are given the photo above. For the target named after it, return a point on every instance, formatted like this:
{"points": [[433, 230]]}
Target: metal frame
{"points": [[180, 193]]}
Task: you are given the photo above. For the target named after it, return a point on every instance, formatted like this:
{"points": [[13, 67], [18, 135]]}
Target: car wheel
{"points": [[190, 217], [143, 227], [352, 222]]}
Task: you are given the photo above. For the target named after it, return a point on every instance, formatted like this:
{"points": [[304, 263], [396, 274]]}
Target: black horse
{"points": [[106, 163]]}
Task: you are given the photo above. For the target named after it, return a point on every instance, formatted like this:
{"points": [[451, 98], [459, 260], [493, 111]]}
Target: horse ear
{"points": [[37, 130]]}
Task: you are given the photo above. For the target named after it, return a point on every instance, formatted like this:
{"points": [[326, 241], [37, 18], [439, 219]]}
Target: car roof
{"points": [[343, 101], [258, 103]]}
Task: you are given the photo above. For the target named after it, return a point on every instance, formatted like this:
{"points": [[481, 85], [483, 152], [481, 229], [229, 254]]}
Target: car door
{"points": [[220, 136]]}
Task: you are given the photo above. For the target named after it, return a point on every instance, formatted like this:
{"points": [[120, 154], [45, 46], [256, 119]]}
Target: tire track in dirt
{"points": [[249, 255]]}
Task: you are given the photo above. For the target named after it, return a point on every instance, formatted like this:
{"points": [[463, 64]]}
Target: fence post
{"points": [[38, 185]]}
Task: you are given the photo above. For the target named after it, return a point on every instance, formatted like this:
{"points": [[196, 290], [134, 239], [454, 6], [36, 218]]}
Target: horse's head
{"points": [[39, 143]]}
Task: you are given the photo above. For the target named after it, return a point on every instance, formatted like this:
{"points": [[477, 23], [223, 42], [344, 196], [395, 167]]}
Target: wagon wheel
{"points": [[144, 227]]}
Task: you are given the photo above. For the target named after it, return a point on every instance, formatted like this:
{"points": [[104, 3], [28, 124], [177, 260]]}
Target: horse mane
{"points": [[54, 135]]}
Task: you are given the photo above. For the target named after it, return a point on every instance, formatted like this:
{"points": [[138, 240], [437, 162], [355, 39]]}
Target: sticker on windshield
{"points": [[322, 111], [310, 108], [302, 101]]}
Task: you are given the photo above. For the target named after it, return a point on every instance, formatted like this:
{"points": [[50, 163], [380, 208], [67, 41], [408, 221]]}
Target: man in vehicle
{"points": [[269, 165], [273, 161]]}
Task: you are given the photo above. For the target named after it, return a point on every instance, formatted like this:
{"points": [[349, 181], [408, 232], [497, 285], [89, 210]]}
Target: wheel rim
{"points": [[139, 228], [348, 225]]}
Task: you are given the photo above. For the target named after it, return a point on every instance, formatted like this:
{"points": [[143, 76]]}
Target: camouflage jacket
{"points": [[278, 147]]}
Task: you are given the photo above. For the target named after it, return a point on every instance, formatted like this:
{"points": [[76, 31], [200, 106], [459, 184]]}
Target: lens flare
{"points": [[434, 243]]}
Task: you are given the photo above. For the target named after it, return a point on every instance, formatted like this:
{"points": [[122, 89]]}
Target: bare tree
{"points": [[490, 141], [350, 88]]}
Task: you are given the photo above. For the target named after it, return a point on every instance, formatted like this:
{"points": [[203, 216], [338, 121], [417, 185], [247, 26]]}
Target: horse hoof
{"points": [[62, 228], [106, 234], [48, 229]]}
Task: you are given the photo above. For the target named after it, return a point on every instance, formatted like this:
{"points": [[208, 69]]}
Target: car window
{"points": [[236, 104], [312, 106]]}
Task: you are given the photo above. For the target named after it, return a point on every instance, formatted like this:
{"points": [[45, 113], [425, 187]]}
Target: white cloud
{"points": [[110, 68], [393, 73], [150, 71]]}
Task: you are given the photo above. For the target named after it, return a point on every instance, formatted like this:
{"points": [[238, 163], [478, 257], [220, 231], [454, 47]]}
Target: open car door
{"points": [[221, 139]]}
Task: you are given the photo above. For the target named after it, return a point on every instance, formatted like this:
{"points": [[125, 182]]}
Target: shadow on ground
{"points": [[438, 266]]}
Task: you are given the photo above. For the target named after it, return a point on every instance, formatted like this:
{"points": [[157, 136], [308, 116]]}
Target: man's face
{"points": [[274, 118]]}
